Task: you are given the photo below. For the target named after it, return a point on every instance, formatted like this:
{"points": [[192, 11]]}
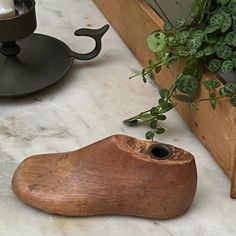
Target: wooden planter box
{"points": [[134, 20]]}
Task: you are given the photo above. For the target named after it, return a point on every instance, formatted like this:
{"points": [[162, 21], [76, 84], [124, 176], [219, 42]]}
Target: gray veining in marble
{"points": [[86, 106]]}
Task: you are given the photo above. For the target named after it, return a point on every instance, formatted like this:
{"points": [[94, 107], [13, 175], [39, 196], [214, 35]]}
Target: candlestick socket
{"points": [[21, 25]]}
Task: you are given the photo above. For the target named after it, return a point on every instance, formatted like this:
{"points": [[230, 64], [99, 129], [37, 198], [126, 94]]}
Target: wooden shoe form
{"points": [[118, 175]]}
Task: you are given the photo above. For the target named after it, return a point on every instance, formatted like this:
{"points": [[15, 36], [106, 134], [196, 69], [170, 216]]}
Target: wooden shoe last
{"points": [[118, 175]]}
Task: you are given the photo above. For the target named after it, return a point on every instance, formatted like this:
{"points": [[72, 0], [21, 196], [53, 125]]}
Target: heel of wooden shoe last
{"points": [[118, 175]]}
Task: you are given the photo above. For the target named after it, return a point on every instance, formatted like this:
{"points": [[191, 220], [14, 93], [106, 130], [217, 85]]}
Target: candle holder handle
{"points": [[97, 35]]}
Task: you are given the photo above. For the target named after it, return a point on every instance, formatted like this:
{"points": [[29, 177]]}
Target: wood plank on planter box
{"points": [[134, 20], [178, 9]]}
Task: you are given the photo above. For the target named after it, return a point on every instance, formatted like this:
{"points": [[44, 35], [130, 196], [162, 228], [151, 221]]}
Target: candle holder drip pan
{"points": [[35, 61]]}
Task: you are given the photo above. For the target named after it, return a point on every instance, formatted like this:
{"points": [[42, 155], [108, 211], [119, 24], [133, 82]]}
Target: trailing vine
{"points": [[207, 36]]}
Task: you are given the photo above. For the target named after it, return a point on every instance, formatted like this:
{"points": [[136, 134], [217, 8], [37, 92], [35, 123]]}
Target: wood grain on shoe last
{"points": [[117, 175]]}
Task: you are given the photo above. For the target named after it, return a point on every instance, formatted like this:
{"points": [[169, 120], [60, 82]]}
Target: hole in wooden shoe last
{"points": [[160, 152]]}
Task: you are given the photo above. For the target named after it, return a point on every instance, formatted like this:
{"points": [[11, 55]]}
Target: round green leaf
{"points": [[157, 69], [217, 19], [226, 24], [192, 51], [198, 34], [182, 52], [143, 75], [212, 84], [151, 62], [146, 117], [160, 131], [165, 107], [156, 42], [151, 75], [154, 111], [215, 65], [207, 84], [223, 2], [182, 37], [187, 84], [225, 10], [199, 54], [215, 83], [164, 93], [213, 100], [223, 51], [168, 28], [150, 135], [171, 40], [161, 117], [196, 7], [229, 88], [180, 22], [153, 124], [209, 51], [233, 100], [194, 43], [230, 38], [227, 66]]}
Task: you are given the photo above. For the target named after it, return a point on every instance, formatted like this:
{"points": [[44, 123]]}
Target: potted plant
{"points": [[205, 40]]}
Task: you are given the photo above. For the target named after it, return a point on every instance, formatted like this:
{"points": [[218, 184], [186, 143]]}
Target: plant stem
{"points": [[149, 69], [136, 117], [207, 99], [140, 73], [172, 89]]}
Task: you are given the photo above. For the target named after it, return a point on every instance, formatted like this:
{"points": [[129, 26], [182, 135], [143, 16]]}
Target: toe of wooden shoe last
{"points": [[117, 175]]}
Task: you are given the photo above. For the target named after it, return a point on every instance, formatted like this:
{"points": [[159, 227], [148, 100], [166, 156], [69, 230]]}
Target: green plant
{"points": [[207, 36]]}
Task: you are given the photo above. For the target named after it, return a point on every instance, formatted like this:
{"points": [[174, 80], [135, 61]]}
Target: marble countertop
{"points": [[88, 105]]}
